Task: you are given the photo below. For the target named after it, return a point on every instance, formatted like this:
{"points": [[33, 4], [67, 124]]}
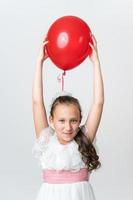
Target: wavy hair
{"points": [[85, 146]]}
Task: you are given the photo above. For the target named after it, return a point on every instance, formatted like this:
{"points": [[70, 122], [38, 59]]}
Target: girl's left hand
{"points": [[43, 53], [94, 56]]}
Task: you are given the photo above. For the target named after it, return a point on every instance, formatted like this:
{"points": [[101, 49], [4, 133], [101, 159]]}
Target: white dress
{"points": [[55, 156]]}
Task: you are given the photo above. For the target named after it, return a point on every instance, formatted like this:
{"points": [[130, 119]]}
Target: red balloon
{"points": [[68, 45]]}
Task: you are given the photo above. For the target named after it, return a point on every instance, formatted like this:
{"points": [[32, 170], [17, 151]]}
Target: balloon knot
{"points": [[60, 78]]}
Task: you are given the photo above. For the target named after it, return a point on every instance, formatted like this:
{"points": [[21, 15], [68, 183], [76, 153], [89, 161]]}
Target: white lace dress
{"points": [[55, 156]]}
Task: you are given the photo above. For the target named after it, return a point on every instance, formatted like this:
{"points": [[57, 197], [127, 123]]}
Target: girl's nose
{"points": [[68, 126]]}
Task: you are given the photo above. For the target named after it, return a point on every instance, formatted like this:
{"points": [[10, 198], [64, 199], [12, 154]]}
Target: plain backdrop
{"points": [[22, 27]]}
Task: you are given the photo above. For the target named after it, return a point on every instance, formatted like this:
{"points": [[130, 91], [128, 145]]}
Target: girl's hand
{"points": [[43, 52], [94, 56]]}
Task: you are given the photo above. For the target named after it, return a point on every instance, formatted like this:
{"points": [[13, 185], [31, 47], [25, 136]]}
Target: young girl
{"points": [[65, 148]]}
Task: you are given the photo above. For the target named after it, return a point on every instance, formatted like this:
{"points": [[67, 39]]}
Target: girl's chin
{"points": [[68, 137], [66, 141]]}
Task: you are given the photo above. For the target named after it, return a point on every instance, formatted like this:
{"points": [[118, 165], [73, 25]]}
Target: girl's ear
{"points": [[51, 122], [50, 118]]}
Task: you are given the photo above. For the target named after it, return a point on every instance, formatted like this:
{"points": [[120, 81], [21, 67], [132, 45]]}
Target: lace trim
{"points": [[41, 142]]}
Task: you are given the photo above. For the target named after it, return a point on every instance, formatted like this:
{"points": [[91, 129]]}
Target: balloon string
{"points": [[60, 78]]}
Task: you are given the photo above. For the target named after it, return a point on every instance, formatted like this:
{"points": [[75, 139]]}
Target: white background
{"points": [[22, 26]]}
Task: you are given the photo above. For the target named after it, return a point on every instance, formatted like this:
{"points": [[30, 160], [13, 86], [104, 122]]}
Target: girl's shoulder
{"points": [[84, 129], [41, 143], [45, 135]]}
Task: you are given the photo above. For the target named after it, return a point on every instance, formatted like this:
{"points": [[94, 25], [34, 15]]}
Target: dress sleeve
{"points": [[41, 143]]}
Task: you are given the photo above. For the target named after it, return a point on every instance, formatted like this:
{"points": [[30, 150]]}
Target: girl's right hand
{"points": [[43, 52], [94, 56]]}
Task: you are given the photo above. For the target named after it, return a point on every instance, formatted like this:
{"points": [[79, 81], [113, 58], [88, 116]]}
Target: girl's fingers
{"points": [[94, 40], [45, 38], [91, 45], [45, 42]]}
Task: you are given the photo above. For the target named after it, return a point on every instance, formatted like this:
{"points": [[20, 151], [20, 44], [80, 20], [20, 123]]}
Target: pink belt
{"points": [[65, 176]]}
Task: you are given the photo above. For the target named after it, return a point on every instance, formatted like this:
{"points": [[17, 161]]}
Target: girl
{"points": [[65, 148]]}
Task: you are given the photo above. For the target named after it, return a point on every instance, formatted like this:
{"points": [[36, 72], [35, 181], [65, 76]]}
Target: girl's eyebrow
{"points": [[73, 118]]}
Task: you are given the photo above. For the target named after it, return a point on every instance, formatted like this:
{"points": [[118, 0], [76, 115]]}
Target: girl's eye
{"points": [[61, 120], [74, 120]]}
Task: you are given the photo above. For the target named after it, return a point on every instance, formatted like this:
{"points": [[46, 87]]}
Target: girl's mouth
{"points": [[68, 133]]}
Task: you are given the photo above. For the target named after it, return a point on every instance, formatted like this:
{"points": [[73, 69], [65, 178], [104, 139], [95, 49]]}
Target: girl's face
{"points": [[65, 121]]}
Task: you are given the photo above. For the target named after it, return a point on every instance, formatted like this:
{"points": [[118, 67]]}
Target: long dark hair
{"points": [[85, 146]]}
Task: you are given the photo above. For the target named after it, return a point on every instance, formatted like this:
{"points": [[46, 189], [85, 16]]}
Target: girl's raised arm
{"points": [[39, 111], [95, 113]]}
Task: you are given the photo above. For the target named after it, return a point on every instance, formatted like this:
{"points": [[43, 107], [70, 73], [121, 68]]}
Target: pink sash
{"points": [[65, 176]]}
